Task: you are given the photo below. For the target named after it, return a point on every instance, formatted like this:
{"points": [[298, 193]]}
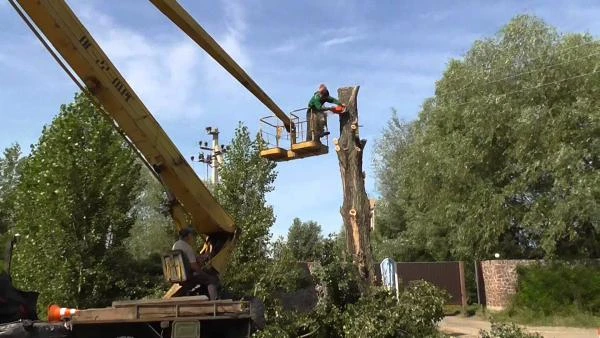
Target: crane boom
{"points": [[194, 204], [190, 26]]}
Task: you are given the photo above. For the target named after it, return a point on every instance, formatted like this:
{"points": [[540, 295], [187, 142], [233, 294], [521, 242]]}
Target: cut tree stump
{"points": [[356, 207]]}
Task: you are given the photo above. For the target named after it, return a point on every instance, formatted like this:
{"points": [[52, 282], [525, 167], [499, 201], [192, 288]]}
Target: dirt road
{"points": [[464, 327]]}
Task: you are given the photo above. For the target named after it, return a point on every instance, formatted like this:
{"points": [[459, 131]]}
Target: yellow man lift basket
{"points": [[281, 145]]}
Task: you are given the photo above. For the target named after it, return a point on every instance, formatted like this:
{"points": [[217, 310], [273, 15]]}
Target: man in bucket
{"points": [[315, 114]]}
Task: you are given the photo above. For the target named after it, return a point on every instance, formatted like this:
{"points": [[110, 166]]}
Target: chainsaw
{"points": [[341, 109]]}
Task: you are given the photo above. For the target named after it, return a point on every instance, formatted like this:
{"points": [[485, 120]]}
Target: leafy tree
{"points": [[394, 142], [153, 231], [74, 211], [504, 158], [344, 313], [245, 179], [305, 240], [10, 170], [389, 239]]}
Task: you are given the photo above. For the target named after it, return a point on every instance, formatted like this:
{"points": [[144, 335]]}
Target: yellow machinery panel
{"points": [[174, 267], [309, 147], [274, 153]]}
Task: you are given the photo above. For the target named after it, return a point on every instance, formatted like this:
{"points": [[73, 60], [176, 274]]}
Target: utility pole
{"points": [[214, 158]]}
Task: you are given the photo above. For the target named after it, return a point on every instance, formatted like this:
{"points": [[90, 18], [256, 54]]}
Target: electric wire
{"points": [[496, 96], [524, 73]]}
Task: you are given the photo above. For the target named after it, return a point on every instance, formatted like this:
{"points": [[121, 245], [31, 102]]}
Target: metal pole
{"points": [[463, 288], [215, 163], [477, 282], [397, 283]]}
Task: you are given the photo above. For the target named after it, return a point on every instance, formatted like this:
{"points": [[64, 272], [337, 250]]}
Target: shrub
{"points": [[376, 315], [342, 312], [558, 288], [379, 315], [505, 330]]}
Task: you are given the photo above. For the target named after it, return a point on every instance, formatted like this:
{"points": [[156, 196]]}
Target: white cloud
{"points": [[425, 62], [235, 17], [326, 37], [289, 45], [218, 78], [341, 40], [435, 16], [341, 35], [161, 73], [168, 73]]}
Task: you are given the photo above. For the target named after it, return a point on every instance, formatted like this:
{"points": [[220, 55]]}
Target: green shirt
{"points": [[316, 102]]}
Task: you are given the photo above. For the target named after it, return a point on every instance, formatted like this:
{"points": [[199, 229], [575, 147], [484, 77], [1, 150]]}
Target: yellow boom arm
{"points": [[192, 203]]}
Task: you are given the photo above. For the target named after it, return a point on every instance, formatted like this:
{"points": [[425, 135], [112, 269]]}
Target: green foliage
{"points": [[395, 141], [279, 275], [505, 330], [377, 314], [73, 209], [153, 231], [558, 289], [415, 314], [245, 179], [10, 171], [338, 274], [323, 322], [305, 240], [139, 278], [342, 312], [504, 158]]}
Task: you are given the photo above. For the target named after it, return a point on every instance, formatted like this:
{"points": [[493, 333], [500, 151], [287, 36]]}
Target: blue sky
{"points": [[395, 50]]}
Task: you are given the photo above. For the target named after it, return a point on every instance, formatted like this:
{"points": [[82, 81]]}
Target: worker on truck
{"points": [[187, 238], [315, 114]]}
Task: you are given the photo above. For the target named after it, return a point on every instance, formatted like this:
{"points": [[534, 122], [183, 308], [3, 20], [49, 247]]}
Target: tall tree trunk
{"points": [[356, 208]]}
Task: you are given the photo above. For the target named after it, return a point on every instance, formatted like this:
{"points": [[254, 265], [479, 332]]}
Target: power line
{"points": [[533, 87], [525, 72], [561, 52]]}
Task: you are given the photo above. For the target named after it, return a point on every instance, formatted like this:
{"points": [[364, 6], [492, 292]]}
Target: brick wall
{"points": [[500, 281]]}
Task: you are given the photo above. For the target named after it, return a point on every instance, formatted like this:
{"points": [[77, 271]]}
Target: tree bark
{"points": [[356, 208]]}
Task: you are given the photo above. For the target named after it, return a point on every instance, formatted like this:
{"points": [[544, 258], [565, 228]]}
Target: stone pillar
{"points": [[500, 280]]}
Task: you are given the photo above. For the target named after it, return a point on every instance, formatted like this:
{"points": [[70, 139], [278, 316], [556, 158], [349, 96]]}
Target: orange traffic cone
{"points": [[58, 314]]}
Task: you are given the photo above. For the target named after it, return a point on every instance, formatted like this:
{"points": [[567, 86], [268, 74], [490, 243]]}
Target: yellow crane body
{"points": [[191, 202]]}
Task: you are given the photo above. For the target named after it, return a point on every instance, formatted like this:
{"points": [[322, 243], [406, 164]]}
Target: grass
{"points": [[567, 318]]}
